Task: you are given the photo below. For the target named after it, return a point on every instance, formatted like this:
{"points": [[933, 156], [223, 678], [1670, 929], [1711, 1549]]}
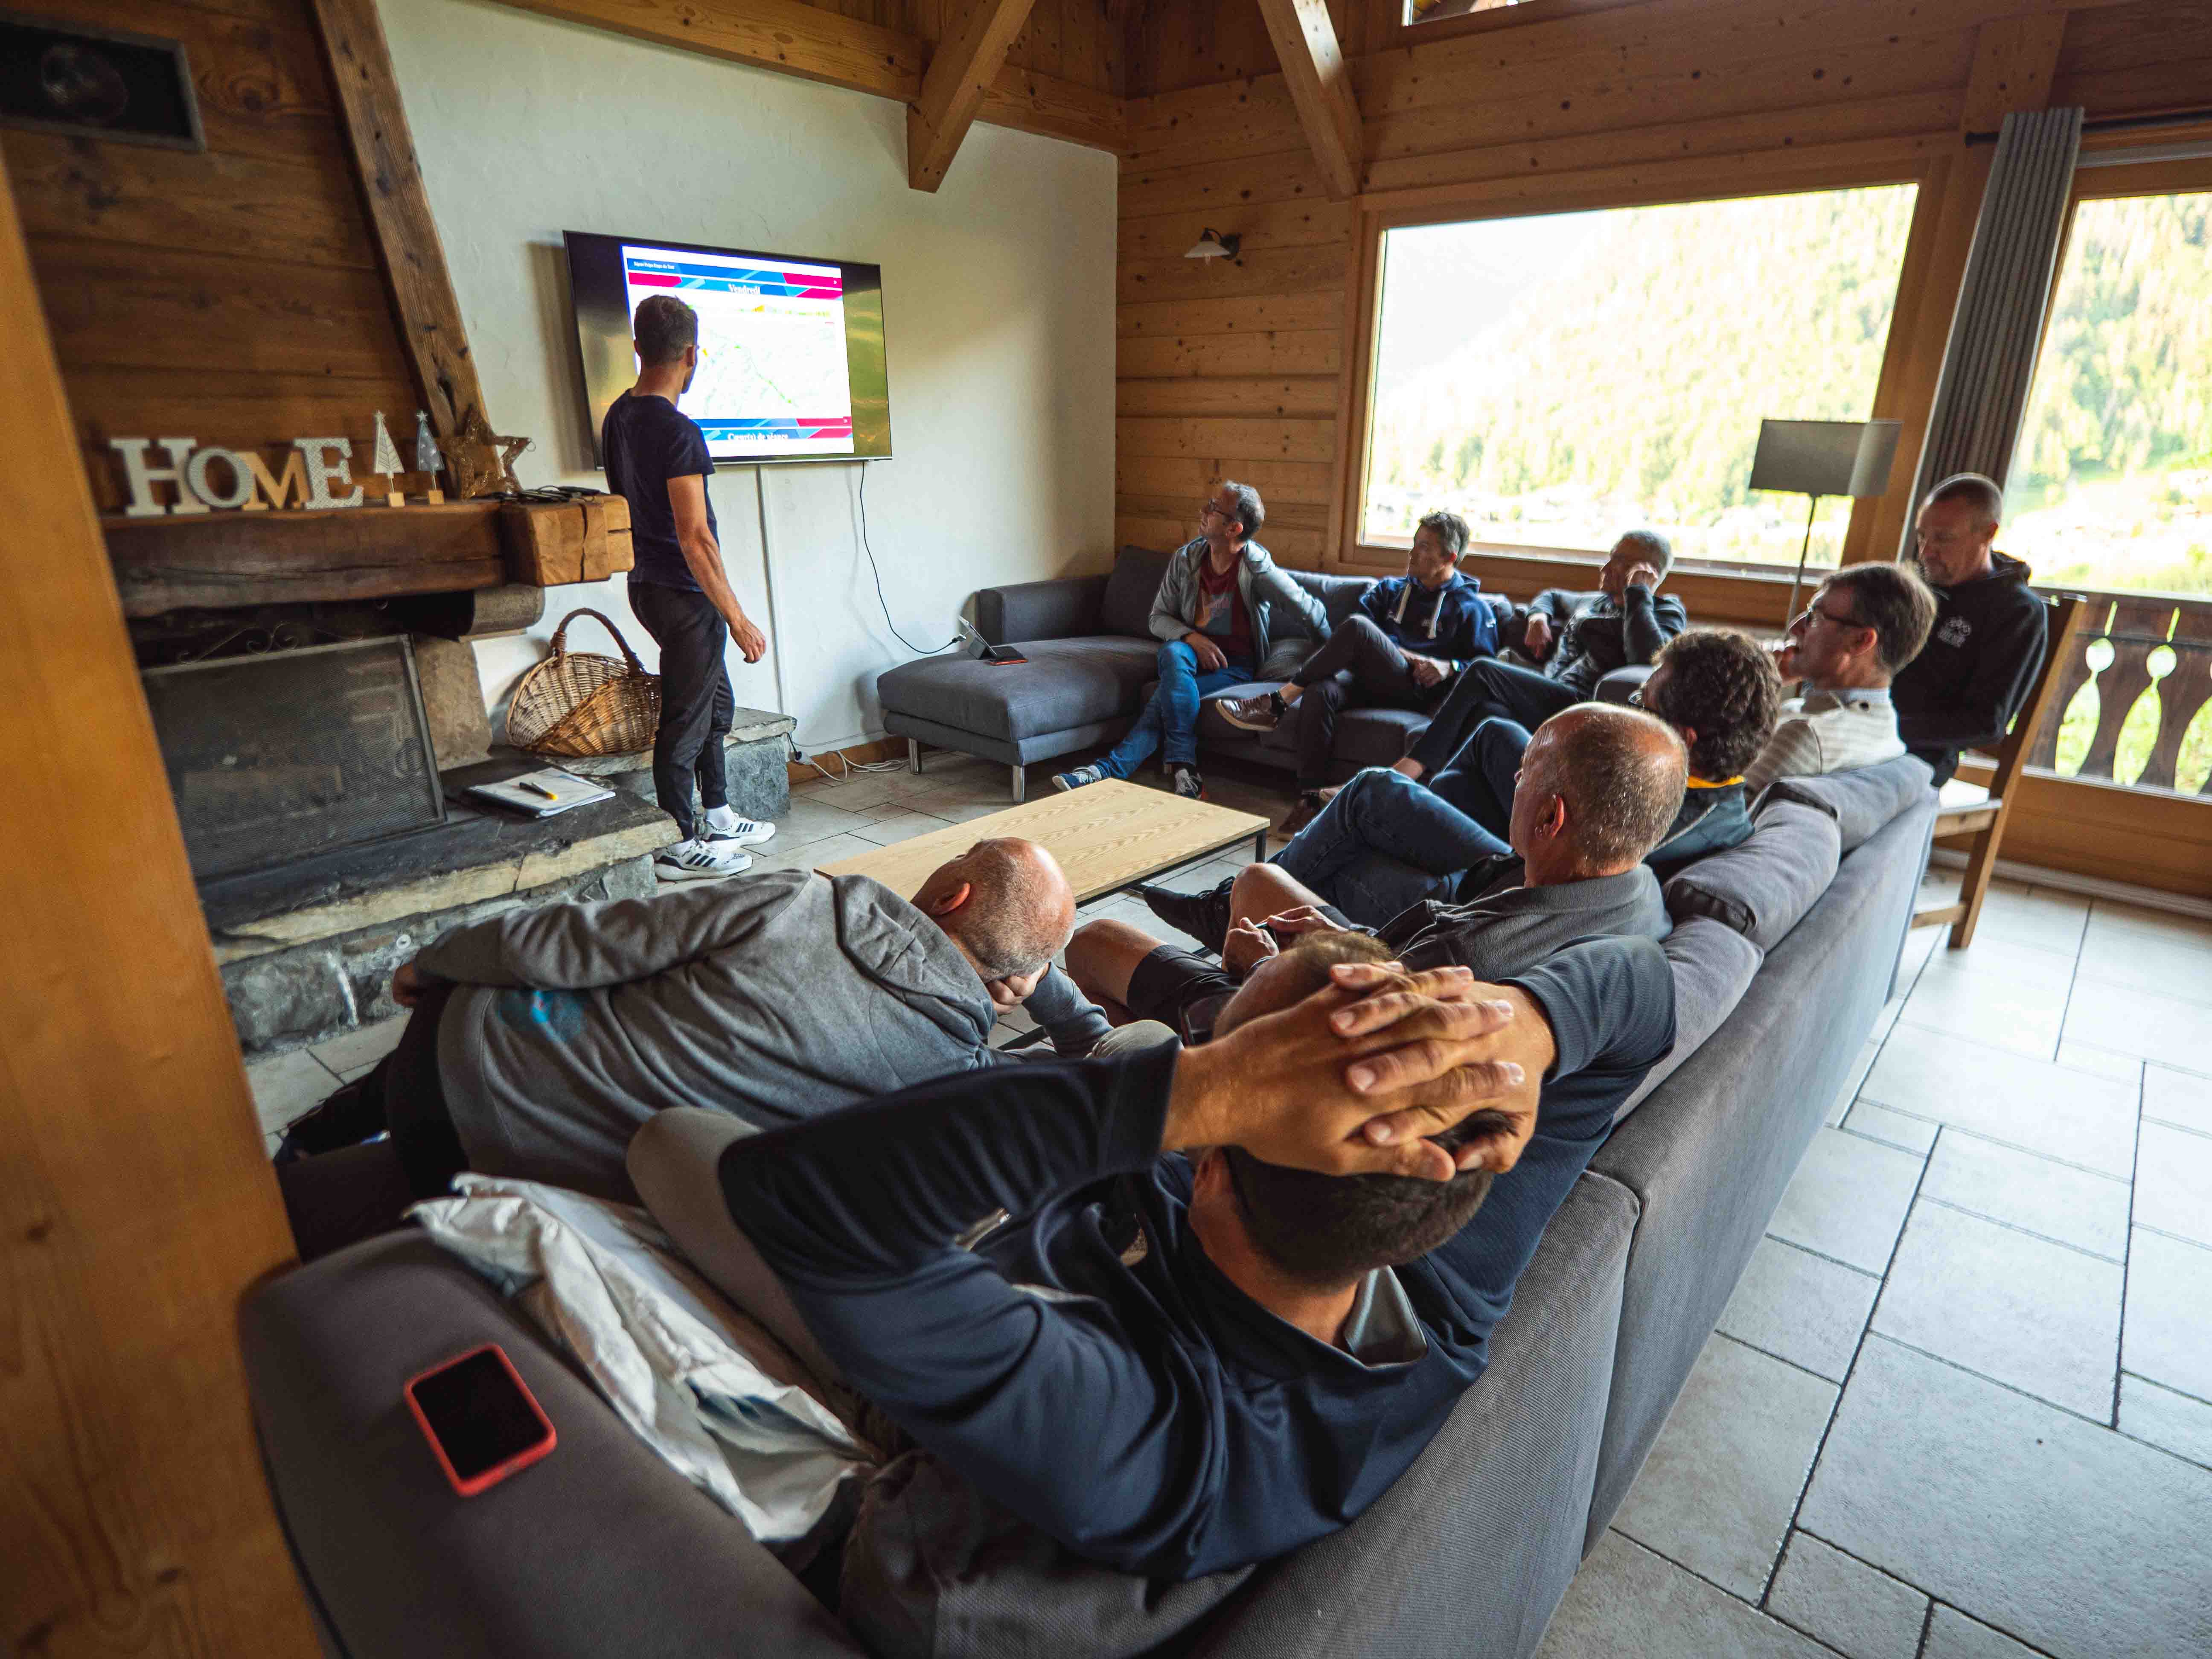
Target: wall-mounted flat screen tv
{"points": [[790, 349]]}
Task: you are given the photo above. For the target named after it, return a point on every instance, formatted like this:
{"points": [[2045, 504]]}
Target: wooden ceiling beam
{"points": [[1320, 87], [793, 38], [961, 70]]}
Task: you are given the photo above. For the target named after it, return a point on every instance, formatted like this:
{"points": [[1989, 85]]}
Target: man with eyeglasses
{"points": [[1866, 622], [1220, 605]]}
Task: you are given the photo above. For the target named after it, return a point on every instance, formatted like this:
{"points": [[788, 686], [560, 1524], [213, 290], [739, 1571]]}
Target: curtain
{"points": [[1983, 392]]}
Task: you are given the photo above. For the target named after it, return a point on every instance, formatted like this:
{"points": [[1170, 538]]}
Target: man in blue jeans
{"points": [[1385, 843], [1221, 602]]}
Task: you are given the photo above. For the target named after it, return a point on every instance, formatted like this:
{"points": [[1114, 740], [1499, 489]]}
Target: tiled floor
{"points": [[1961, 1401], [1960, 1405]]}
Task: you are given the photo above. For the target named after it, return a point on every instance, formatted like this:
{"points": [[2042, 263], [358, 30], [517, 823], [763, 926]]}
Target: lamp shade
{"points": [[1824, 457]]}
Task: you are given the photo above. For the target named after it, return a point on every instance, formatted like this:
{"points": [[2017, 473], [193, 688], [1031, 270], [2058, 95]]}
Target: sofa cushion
{"points": [[1339, 596], [1065, 682], [1130, 591], [1762, 887], [1860, 800], [1713, 966]]}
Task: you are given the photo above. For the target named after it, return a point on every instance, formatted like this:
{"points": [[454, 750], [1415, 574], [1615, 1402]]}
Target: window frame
{"points": [[1388, 31], [1725, 590]]}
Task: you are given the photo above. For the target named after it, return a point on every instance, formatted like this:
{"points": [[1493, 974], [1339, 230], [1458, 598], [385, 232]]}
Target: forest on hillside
{"points": [[1612, 368]]}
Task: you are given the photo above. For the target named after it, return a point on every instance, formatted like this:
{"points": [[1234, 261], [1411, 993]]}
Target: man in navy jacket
{"points": [[1236, 1302], [1404, 648]]}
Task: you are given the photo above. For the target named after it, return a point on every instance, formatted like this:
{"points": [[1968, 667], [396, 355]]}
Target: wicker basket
{"points": [[579, 705]]}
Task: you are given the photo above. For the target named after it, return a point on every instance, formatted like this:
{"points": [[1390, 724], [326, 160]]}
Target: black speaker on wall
{"points": [[95, 83]]}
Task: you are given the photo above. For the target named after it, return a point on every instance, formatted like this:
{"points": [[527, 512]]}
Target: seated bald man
{"points": [[1243, 1285], [1600, 785], [542, 1039]]}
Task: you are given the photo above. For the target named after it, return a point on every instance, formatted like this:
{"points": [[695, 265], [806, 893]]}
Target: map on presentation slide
{"points": [[772, 378]]}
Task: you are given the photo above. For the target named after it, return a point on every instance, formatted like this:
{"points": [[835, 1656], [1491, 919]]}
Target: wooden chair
{"points": [[1979, 814]]}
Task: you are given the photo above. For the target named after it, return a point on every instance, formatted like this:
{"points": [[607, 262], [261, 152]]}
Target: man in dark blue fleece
{"points": [[1403, 649], [1238, 1302]]}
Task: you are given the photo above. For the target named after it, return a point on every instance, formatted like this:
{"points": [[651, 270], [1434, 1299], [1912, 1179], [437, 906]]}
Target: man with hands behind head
{"points": [[1258, 1274]]}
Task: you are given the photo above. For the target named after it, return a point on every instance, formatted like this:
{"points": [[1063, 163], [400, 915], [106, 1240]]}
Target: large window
{"points": [[2111, 484], [1558, 380]]}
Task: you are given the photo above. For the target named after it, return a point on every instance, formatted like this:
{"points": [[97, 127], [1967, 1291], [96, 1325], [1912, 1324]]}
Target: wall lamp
{"points": [[1213, 245]]}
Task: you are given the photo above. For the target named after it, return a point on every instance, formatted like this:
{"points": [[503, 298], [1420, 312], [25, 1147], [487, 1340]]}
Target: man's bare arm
{"points": [[702, 554]]}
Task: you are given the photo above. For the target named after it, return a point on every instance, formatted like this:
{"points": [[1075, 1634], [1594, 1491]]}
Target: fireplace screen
{"points": [[272, 758]]}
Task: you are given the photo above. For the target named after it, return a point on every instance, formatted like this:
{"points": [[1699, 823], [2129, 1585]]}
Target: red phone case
{"points": [[498, 1472]]}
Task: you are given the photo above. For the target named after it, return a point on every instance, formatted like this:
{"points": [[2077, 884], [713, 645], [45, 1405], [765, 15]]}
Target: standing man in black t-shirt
{"points": [[656, 459]]}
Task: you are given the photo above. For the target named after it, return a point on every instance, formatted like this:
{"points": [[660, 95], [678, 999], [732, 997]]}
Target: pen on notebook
{"points": [[535, 788]]}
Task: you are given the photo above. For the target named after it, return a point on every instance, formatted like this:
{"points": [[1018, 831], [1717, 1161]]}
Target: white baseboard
{"points": [[2151, 898]]}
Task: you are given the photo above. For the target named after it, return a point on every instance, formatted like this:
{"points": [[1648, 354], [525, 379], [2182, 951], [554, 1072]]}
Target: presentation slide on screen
{"points": [[772, 378]]}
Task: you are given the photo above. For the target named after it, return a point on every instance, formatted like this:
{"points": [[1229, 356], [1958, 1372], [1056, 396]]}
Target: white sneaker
{"points": [[1188, 784], [696, 860], [737, 832]]}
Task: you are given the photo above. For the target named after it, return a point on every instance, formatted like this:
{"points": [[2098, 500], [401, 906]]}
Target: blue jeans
{"points": [[1170, 722], [1479, 779], [1386, 843]]}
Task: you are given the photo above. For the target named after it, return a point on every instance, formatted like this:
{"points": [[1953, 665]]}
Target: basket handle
{"points": [[561, 636]]}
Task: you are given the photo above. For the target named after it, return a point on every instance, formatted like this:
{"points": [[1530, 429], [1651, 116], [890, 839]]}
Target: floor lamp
{"points": [[1823, 457]]}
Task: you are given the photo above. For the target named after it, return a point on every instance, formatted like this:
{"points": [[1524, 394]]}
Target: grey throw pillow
{"points": [[933, 1569], [1714, 965], [1130, 591], [1763, 887], [1862, 800]]}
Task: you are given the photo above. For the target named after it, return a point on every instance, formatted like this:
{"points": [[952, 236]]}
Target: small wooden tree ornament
{"points": [[386, 465]]}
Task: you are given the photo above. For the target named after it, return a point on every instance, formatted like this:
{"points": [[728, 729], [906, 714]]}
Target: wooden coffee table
{"points": [[1108, 836]]}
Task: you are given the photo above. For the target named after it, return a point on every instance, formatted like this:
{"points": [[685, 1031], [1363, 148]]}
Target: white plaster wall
{"points": [[998, 299]]}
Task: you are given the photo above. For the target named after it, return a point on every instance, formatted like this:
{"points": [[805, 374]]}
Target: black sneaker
{"points": [[352, 1113], [1188, 785], [1204, 916]]}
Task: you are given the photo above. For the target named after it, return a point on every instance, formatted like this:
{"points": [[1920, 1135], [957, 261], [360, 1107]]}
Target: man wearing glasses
{"points": [[1866, 622], [1220, 606]]}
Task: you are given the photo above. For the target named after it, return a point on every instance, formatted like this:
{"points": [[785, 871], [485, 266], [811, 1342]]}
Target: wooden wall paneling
{"points": [[1180, 477], [136, 1199], [1212, 188], [1240, 314], [425, 308], [1320, 81], [1311, 395], [1264, 271], [222, 205], [1305, 222], [966, 61], [1689, 147], [1226, 436], [1193, 358], [1214, 124]]}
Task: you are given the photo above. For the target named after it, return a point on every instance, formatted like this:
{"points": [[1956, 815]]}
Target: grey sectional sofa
{"points": [[1784, 951], [1090, 669]]}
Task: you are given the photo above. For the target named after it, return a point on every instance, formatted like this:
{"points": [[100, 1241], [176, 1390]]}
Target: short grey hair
{"points": [[1448, 528], [1655, 547], [1251, 512], [1977, 490], [1623, 773]]}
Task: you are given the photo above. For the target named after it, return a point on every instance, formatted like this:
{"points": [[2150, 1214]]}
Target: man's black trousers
{"points": [[1488, 690], [1359, 664], [696, 703]]}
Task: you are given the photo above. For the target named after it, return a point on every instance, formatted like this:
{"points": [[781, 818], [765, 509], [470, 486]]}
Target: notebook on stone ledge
{"points": [[541, 794]]}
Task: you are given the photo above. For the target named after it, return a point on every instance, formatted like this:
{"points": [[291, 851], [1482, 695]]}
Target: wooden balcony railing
{"points": [[2131, 648]]}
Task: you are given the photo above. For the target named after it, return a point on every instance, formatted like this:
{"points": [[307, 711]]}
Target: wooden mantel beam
{"points": [[796, 38], [961, 70], [1320, 87]]}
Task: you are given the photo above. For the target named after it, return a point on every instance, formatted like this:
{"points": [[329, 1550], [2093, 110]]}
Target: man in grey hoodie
{"points": [[542, 1038], [1221, 603]]}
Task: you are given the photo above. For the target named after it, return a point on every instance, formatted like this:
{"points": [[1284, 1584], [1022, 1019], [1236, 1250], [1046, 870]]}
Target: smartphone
{"points": [[482, 1421]]}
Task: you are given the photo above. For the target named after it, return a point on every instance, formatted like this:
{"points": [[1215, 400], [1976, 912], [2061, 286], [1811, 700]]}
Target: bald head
{"points": [[1006, 903], [1600, 784]]}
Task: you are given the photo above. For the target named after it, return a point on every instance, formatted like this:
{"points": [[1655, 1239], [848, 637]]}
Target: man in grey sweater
{"points": [[1221, 605], [542, 1038]]}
